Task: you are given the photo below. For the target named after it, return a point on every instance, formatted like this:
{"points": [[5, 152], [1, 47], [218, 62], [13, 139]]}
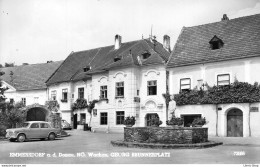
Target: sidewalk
{"points": [[243, 141]]}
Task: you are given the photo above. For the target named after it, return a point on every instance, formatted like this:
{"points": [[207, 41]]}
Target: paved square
{"points": [[90, 148]]}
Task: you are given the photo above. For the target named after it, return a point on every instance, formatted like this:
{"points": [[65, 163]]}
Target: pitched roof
{"points": [[241, 38], [29, 77], [102, 59]]}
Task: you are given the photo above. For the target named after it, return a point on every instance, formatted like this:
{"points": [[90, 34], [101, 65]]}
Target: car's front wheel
{"points": [[51, 136], [21, 138]]}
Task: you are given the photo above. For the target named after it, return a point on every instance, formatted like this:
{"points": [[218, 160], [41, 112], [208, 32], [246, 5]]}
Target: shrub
{"points": [[198, 121], [129, 120], [175, 121]]}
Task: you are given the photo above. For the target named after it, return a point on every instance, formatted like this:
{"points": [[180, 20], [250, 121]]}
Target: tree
{"points": [[10, 114], [9, 64], [167, 98], [2, 106], [2, 89], [1, 66], [52, 105], [13, 114], [90, 107]]}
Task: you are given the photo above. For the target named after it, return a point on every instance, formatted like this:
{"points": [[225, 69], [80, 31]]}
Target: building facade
{"points": [[127, 79], [26, 84], [218, 54]]}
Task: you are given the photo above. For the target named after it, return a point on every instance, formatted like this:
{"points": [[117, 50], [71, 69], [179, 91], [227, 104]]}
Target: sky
{"points": [[37, 31]]}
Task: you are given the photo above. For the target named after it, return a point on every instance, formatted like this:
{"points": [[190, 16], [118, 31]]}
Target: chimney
{"points": [[117, 41], [224, 17], [166, 43]]}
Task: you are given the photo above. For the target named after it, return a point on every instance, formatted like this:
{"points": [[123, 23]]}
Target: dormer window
{"points": [[87, 68], [146, 54], [216, 43], [117, 59]]}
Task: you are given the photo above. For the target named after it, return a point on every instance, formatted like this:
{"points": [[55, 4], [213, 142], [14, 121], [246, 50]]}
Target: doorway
{"points": [[36, 114], [75, 121], [235, 123]]}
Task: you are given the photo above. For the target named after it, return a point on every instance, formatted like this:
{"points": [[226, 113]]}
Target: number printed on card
{"points": [[239, 153]]}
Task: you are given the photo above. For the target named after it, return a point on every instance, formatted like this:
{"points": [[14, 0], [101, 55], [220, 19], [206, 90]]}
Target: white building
{"points": [[128, 79], [216, 54], [26, 83]]}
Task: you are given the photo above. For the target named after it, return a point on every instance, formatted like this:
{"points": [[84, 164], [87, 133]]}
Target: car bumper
{"points": [[11, 136]]}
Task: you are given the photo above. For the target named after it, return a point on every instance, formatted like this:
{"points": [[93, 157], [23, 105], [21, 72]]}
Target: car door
{"points": [[34, 131], [45, 129]]}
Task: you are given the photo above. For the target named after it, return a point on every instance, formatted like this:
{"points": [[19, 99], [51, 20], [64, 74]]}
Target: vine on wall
{"points": [[79, 104], [52, 105], [237, 92]]}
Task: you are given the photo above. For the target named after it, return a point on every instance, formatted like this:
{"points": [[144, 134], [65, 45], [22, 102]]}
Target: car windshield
{"points": [[25, 125]]}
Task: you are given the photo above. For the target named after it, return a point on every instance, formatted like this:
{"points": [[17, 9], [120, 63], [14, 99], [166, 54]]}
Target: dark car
{"points": [[33, 130], [65, 125]]}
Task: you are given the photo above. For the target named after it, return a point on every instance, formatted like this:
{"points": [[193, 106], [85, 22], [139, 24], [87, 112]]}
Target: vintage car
{"points": [[65, 125], [33, 130]]}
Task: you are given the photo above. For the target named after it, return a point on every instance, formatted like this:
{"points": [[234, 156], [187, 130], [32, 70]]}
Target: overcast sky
{"points": [[34, 31]]}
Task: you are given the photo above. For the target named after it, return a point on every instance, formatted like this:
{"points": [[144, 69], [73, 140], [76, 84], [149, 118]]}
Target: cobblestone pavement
{"points": [[94, 148]]}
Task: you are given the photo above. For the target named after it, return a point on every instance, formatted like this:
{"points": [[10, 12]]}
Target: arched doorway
{"points": [[148, 118], [235, 123], [36, 114]]}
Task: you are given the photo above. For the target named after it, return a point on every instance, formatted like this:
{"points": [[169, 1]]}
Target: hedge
{"points": [[237, 92]]}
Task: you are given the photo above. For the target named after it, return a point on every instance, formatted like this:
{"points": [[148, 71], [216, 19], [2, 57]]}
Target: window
{"points": [[87, 68], [36, 100], [82, 118], [24, 101], [223, 79], [149, 118], [95, 112], [146, 55], [185, 84], [103, 92], [117, 59], [53, 95], [120, 89], [65, 94], [216, 43], [35, 125], [103, 118], [152, 87], [200, 83], [44, 125], [120, 117], [81, 93]]}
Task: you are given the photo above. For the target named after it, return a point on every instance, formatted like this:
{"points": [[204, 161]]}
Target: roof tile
{"points": [[241, 37]]}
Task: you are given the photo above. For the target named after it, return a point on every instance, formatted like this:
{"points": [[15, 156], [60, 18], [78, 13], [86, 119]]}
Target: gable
{"points": [[29, 77], [10, 87], [240, 36]]}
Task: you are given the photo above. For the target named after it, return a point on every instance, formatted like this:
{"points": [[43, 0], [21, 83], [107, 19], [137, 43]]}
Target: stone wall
{"points": [[167, 135]]}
